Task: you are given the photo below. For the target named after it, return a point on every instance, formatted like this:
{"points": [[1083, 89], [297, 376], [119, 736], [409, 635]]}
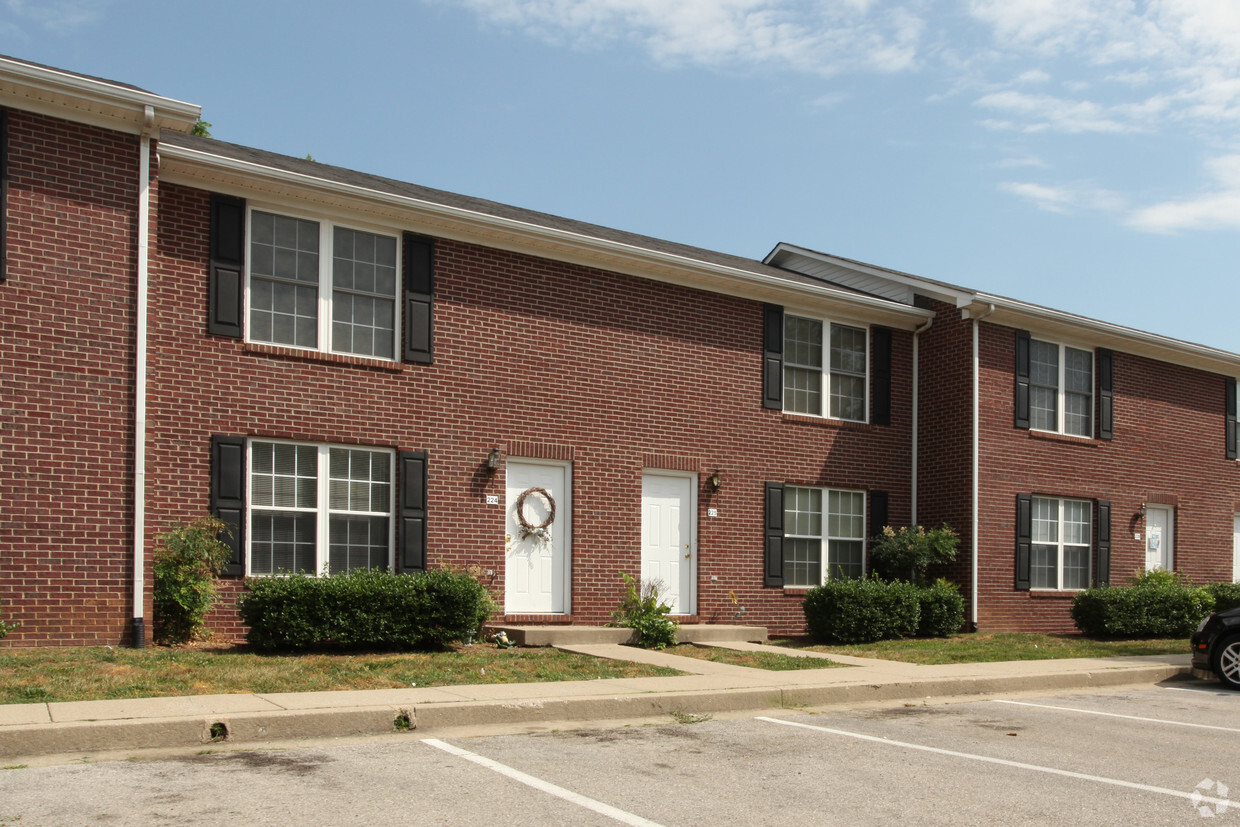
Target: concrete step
{"points": [[571, 635]]}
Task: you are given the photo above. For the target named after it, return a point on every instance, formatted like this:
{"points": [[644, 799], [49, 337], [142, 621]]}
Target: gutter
{"points": [[140, 358], [976, 453]]}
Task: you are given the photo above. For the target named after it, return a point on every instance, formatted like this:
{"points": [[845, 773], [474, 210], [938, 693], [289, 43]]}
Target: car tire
{"points": [[1227, 661]]}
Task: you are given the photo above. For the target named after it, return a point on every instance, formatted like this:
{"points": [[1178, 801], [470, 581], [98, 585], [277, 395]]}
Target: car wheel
{"points": [[1227, 661]]}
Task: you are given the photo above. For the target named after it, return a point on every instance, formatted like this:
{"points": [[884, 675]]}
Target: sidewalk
{"points": [[122, 728]]}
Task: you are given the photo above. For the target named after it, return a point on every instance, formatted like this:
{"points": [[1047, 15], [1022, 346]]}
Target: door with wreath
{"points": [[537, 537]]}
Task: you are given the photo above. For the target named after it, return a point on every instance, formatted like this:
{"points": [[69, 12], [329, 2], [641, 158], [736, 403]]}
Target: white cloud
{"points": [[1215, 209], [825, 38], [57, 15], [1066, 199], [1038, 113]]}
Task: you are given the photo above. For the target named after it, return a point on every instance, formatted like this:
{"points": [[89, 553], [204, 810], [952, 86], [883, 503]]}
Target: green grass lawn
{"points": [[94, 673], [983, 648], [772, 660]]}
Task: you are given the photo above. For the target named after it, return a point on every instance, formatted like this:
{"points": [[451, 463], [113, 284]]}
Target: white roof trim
{"points": [[90, 100], [641, 261], [957, 296]]}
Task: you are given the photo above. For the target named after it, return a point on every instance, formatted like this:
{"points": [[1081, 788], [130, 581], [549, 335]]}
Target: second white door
{"points": [[539, 550], [669, 538]]}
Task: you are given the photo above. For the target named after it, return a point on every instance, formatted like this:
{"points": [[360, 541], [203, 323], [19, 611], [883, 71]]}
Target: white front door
{"points": [[538, 551], [669, 538], [1235, 552], [1159, 537]]}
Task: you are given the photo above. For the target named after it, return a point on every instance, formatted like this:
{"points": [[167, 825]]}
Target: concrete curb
{"points": [[23, 741]]}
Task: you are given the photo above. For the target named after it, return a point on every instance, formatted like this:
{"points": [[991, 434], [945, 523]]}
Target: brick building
{"points": [[359, 372]]}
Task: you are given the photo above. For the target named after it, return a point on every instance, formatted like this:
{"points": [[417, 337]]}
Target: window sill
{"points": [[1054, 594], [809, 419], [1051, 436], [318, 356]]}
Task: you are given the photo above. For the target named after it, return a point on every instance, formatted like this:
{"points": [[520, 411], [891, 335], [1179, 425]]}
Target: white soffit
{"points": [[92, 101], [219, 173]]}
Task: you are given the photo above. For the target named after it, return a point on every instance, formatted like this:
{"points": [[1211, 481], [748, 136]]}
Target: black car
{"points": [[1216, 648]]}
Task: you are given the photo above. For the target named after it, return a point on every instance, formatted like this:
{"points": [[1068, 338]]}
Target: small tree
{"points": [[186, 564], [909, 552]]}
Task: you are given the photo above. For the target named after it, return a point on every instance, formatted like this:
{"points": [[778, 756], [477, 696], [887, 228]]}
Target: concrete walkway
{"points": [[60, 732]]}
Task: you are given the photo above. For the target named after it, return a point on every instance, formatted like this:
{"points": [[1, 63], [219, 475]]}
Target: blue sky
{"points": [[1080, 154]]}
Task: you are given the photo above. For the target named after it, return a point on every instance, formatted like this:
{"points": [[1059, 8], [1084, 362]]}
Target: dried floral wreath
{"points": [[542, 531]]}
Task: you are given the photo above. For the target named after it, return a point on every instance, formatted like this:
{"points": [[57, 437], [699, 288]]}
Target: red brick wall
{"points": [[529, 351], [66, 359], [1168, 447]]}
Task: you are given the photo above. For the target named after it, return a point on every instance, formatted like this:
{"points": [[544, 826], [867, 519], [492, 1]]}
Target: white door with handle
{"points": [[669, 538]]}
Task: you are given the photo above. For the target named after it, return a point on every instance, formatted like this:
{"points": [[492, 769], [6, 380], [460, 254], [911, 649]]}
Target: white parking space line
{"points": [[1117, 715], [1195, 797], [1214, 692], [545, 786]]}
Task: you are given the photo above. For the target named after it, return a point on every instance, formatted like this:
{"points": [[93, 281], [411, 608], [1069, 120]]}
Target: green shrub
{"points": [[942, 609], [641, 611], [1226, 595], [186, 564], [907, 553], [861, 610], [5, 628], [364, 609], [1157, 604]]}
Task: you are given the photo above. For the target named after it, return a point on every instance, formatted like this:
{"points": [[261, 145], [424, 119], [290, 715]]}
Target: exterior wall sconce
{"points": [[1140, 512], [493, 461], [715, 480]]}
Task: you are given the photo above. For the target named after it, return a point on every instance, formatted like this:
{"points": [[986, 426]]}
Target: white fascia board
{"points": [[87, 100], [192, 167], [940, 291], [1086, 331]]}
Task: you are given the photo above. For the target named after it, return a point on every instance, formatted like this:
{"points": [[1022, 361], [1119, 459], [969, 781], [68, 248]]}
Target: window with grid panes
{"points": [[822, 524], [1061, 544], [319, 508], [1061, 388], [843, 371]]}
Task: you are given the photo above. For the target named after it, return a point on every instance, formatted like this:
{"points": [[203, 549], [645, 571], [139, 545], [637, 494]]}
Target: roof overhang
{"points": [[90, 100], [220, 173], [1091, 332], [793, 257]]}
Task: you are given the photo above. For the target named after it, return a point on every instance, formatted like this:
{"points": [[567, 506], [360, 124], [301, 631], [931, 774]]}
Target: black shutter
{"points": [[411, 528], [1232, 428], [878, 512], [880, 387], [1106, 394], [774, 534], [4, 191], [226, 281], [773, 357], [1024, 539], [228, 495], [1103, 575], [1022, 378], [419, 265]]}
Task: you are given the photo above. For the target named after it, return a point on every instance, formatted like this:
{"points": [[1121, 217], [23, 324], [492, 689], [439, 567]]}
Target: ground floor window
{"points": [[319, 508], [1061, 544], [824, 535]]}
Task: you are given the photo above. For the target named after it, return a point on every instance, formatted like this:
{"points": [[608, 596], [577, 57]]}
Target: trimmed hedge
{"points": [[942, 609], [364, 610], [861, 611], [1157, 604], [1226, 595]]}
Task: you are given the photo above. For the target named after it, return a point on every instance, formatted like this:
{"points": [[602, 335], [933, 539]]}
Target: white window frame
{"points": [[322, 510], [824, 407], [327, 225], [1061, 388], [825, 538], [1060, 544]]}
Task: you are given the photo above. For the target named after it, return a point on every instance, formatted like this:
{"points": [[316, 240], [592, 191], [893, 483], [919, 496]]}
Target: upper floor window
{"points": [[318, 508], [323, 287], [825, 368], [1061, 382], [824, 535]]}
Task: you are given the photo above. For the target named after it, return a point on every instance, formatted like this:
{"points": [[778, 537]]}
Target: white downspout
{"points": [[916, 398], [139, 437], [977, 384]]}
